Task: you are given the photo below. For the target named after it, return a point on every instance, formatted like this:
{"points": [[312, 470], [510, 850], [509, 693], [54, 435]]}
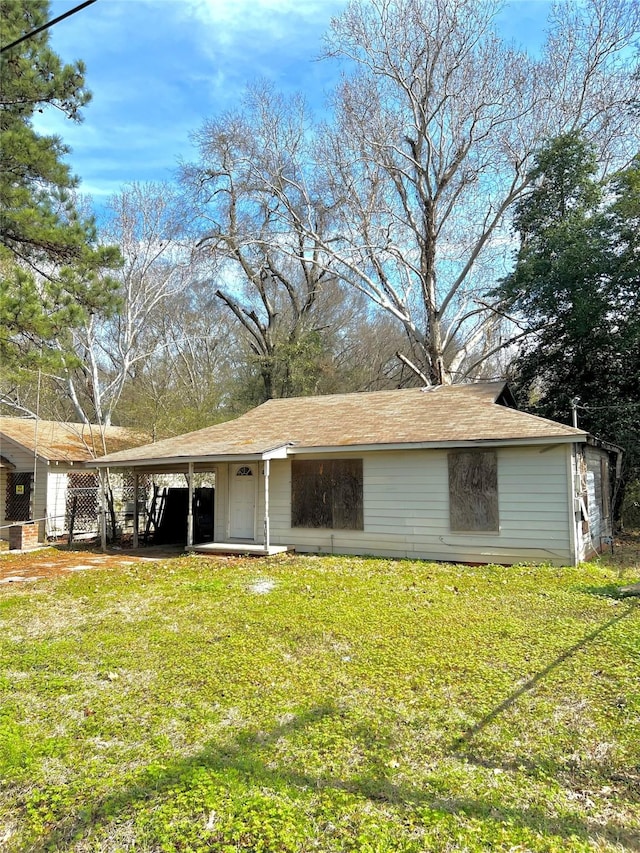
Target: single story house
{"points": [[452, 473], [43, 468]]}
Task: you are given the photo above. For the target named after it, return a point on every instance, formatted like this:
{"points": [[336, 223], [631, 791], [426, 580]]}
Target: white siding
{"points": [[23, 460], [221, 508], [406, 509], [48, 500]]}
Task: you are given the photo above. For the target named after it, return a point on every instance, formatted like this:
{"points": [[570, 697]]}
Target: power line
{"points": [[629, 405], [46, 26]]}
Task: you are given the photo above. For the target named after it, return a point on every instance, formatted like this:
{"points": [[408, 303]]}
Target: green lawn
{"points": [[320, 704]]}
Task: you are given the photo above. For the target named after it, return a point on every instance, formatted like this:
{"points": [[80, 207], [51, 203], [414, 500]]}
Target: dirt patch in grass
{"points": [[46, 563]]}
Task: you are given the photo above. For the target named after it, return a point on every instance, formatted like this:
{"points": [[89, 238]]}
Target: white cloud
{"points": [[254, 29], [159, 68], [234, 15]]}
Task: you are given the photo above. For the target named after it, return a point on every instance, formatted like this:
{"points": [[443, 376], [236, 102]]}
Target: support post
{"points": [[190, 507], [103, 510], [267, 531], [135, 510]]}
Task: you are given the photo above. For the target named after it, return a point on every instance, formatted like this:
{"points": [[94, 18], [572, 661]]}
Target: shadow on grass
{"points": [[627, 784], [611, 590], [467, 736], [615, 591], [250, 756]]}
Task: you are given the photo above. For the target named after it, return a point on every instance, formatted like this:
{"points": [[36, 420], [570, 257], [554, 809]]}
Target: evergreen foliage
{"points": [[50, 264], [577, 285]]}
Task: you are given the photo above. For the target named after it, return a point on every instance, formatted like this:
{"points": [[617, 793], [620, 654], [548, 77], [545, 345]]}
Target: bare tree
{"points": [[433, 138], [145, 222], [251, 188], [187, 381]]}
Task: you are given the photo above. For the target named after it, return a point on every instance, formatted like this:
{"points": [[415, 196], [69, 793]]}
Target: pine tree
{"points": [[51, 269]]}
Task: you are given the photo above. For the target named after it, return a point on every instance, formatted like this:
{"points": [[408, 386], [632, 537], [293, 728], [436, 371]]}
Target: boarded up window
{"points": [[473, 491], [327, 493], [18, 497]]}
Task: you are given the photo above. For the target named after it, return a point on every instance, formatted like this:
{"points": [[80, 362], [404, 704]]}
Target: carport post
{"points": [[103, 510], [135, 510], [266, 505], [190, 508]]}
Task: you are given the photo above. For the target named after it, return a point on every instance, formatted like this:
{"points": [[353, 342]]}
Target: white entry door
{"points": [[242, 502]]}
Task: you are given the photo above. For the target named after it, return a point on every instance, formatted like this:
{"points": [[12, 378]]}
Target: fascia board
{"points": [[435, 445], [275, 453]]}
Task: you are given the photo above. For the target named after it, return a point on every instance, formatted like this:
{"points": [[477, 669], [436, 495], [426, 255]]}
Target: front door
{"points": [[242, 502]]}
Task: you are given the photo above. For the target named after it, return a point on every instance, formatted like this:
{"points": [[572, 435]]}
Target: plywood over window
{"points": [[327, 493], [473, 491]]}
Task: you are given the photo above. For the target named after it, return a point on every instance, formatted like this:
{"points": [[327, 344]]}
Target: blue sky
{"points": [[159, 68]]}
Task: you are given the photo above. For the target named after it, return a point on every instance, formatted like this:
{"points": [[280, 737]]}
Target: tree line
{"points": [[464, 209]]}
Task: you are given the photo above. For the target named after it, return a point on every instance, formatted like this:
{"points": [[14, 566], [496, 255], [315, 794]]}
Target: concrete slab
{"points": [[240, 548], [18, 579]]}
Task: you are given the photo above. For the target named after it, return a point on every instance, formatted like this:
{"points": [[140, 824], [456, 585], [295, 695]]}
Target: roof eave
{"points": [[594, 441], [26, 448], [279, 452], [435, 445]]}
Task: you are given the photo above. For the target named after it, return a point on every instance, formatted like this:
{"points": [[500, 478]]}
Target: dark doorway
{"points": [[172, 524], [18, 505]]}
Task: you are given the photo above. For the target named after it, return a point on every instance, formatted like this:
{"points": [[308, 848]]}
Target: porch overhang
{"points": [[189, 466], [180, 464]]}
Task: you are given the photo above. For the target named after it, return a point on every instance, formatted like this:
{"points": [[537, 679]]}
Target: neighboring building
{"points": [[452, 473], [42, 471]]}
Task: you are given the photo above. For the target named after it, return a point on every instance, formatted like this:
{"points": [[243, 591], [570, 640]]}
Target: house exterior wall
{"points": [[24, 463], [406, 509], [221, 512], [48, 499]]}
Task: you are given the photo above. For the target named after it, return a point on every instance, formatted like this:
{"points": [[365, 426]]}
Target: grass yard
{"points": [[298, 704]]}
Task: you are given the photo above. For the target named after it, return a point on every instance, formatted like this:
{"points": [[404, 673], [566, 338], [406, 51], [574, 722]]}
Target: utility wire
{"points": [[46, 26], [612, 406]]}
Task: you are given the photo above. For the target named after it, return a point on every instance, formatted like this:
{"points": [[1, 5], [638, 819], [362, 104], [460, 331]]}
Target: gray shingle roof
{"points": [[447, 414], [60, 441]]}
